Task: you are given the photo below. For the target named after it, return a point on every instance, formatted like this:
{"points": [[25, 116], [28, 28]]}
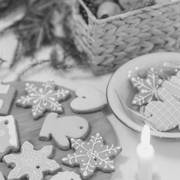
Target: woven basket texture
{"points": [[113, 41]]}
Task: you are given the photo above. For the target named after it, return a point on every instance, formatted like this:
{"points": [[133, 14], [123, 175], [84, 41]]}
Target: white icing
{"points": [[29, 160], [1, 103], [43, 98], [12, 131], [89, 158], [1, 176], [4, 88], [2, 132]]}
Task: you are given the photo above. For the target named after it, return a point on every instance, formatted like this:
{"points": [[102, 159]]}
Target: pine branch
{"points": [[2, 61], [17, 54], [65, 55], [10, 6], [35, 29], [30, 67]]}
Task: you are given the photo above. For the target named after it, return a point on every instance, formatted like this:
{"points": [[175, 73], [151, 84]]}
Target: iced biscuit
{"points": [[88, 99], [61, 129], [91, 156], [43, 97], [31, 163]]}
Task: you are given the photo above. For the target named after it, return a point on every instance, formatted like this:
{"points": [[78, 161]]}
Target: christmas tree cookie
{"points": [[8, 135], [7, 93], [91, 156], [43, 97], [147, 88], [31, 163]]}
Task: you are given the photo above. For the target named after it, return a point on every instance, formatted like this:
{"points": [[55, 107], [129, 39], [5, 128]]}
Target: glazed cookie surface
{"points": [[31, 163], [91, 156], [67, 175], [1, 176], [8, 135], [7, 93], [165, 114], [63, 128], [43, 97], [173, 85], [88, 99]]}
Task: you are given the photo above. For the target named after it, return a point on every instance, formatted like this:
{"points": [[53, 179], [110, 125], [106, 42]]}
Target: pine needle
{"points": [[31, 67]]}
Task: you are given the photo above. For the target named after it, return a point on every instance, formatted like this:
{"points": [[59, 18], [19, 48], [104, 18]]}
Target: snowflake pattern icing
{"points": [[147, 87], [92, 155], [31, 163], [43, 97]]}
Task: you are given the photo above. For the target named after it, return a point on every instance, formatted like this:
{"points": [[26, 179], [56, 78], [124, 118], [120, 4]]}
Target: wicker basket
{"points": [[113, 41]]}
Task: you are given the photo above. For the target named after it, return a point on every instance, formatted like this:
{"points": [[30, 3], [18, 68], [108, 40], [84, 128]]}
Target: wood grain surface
{"points": [[28, 130]]}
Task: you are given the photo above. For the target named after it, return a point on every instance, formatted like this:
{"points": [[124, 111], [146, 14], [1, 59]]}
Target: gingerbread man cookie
{"points": [[43, 97], [92, 155], [7, 94], [88, 99], [8, 135], [31, 163], [62, 128], [147, 88], [67, 175], [165, 114]]}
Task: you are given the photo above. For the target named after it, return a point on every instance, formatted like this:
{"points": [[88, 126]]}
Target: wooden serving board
{"points": [[28, 130]]}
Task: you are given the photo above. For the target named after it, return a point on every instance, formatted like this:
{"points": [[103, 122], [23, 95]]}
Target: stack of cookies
{"points": [[158, 99]]}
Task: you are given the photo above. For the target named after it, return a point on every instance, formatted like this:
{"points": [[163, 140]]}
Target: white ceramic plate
{"points": [[119, 86]]}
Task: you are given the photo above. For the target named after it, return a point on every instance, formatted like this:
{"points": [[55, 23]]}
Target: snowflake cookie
{"points": [[43, 97], [92, 155], [67, 175], [60, 129], [31, 163], [147, 88]]}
